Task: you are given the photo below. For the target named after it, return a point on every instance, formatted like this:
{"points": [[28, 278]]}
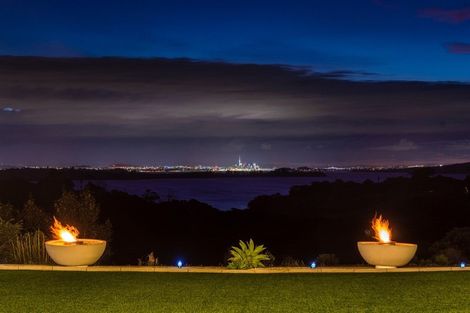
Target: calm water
{"points": [[229, 192]]}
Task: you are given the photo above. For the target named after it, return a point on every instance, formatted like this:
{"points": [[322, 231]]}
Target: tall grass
{"points": [[29, 248]]}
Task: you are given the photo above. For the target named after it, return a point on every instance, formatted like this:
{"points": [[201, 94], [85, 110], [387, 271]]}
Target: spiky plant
{"points": [[30, 249], [247, 255]]}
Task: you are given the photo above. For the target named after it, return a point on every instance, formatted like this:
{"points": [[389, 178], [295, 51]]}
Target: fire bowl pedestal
{"points": [[386, 255], [82, 252]]}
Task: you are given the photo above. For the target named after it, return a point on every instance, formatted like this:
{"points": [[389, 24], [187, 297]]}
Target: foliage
{"points": [[453, 248], [82, 211], [422, 173], [7, 211], [440, 259], [327, 259], [247, 255], [9, 230], [29, 248], [150, 260], [291, 262], [151, 196], [34, 217]]}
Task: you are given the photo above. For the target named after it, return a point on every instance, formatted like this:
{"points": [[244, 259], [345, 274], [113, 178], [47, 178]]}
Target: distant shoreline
{"points": [[119, 174], [123, 174]]}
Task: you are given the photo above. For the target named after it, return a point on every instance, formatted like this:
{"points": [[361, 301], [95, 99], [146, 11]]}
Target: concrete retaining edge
{"points": [[223, 270]]}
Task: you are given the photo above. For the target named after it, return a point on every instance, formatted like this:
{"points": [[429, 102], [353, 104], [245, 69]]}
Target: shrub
{"points": [[149, 260], [30, 249], [327, 259], [247, 255], [291, 262], [82, 211], [440, 259], [6, 212], [8, 232], [151, 196], [34, 217], [453, 248]]}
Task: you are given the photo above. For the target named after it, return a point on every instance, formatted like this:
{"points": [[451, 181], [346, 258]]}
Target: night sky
{"points": [[372, 82]]}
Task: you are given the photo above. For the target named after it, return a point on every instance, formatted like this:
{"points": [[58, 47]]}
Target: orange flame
{"points": [[382, 230], [66, 233]]}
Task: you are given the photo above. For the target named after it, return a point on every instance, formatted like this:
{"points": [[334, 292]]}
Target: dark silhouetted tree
{"points": [[82, 211], [34, 217]]}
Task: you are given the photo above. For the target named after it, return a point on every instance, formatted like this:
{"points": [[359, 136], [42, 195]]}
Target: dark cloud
{"points": [[459, 145], [277, 52], [402, 145], [266, 146], [344, 74], [106, 110], [458, 47], [447, 15]]}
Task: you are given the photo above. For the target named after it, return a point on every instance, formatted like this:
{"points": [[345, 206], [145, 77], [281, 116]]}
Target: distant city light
{"points": [[11, 110], [313, 264], [237, 167], [179, 264]]}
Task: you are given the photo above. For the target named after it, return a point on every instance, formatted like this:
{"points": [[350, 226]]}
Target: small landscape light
{"points": [[313, 264], [179, 264], [462, 264]]}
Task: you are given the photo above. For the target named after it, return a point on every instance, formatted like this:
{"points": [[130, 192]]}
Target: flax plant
{"points": [[29, 248]]}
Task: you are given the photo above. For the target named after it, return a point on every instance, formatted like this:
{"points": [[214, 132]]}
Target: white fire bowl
{"points": [[87, 252], [383, 255]]}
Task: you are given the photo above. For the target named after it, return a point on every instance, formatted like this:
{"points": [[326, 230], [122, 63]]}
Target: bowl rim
{"points": [[377, 243], [89, 242]]}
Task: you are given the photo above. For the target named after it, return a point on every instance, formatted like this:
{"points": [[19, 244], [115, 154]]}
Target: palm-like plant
{"points": [[247, 255]]}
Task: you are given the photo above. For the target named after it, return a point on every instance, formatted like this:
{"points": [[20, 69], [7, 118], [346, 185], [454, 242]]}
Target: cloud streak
{"points": [[458, 47], [447, 15], [402, 145]]}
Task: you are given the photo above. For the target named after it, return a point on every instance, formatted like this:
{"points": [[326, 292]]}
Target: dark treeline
{"points": [[312, 220]]}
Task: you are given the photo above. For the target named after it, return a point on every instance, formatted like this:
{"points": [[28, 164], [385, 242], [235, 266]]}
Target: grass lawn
{"points": [[74, 292]]}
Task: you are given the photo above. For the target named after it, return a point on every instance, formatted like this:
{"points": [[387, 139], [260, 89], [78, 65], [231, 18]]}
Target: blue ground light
{"points": [[179, 264], [313, 264], [462, 264]]}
